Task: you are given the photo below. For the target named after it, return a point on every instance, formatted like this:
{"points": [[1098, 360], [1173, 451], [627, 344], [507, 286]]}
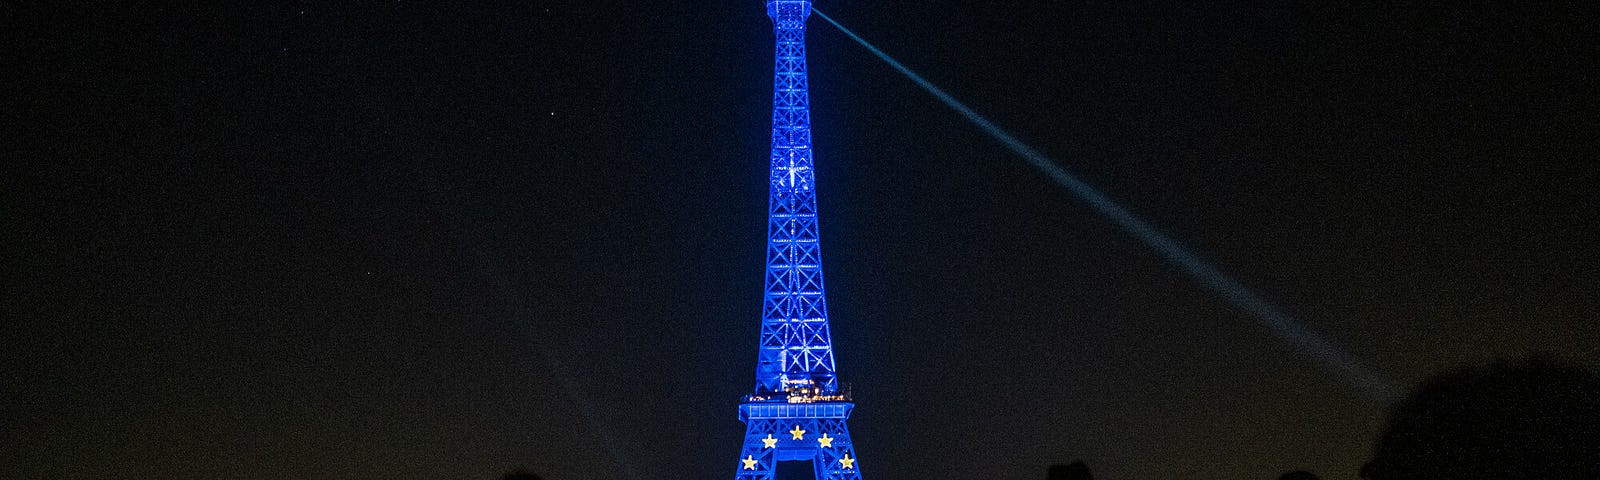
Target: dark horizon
{"points": [[406, 241]]}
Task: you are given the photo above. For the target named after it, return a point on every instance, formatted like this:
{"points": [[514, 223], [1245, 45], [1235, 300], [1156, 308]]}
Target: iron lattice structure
{"points": [[798, 411]]}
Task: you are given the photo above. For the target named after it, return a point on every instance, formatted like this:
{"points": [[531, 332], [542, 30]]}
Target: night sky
{"points": [[406, 241]]}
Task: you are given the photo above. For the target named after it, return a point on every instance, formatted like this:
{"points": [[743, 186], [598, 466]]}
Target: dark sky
{"points": [[407, 241]]}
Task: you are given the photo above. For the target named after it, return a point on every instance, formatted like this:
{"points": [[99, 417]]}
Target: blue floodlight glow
{"points": [[797, 411], [1285, 327]]}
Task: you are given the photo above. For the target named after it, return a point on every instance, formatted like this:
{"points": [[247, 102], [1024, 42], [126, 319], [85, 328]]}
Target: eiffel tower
{"points": [[798, 411]]}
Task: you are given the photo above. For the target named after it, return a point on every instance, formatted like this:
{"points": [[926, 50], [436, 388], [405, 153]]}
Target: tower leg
{"points": [[756, 460], [831, 462]]}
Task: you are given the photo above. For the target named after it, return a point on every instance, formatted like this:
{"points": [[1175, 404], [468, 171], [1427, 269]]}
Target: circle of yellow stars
{"points": [[798, 433]]}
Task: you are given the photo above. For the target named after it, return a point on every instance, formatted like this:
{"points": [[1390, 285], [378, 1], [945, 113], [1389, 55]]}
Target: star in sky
{"points": [[825, 441], [769, 442], [749, 462], [847, 462], [797, 432]]}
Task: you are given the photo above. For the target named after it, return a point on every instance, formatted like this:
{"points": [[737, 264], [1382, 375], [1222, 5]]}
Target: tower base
{"points": [[777, 432]]}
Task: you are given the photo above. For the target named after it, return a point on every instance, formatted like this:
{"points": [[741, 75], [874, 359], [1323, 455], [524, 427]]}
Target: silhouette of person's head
{"points": [[520, 474], [1530, 421], [1298, 475], [1075, 471]]}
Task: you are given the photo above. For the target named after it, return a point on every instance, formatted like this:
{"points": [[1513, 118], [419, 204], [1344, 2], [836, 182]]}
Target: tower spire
{"points": [[796, 347], [797, 411]]}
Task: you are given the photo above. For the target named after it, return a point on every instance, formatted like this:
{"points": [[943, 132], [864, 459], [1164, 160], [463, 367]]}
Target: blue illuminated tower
{"points": [[798, 411]]}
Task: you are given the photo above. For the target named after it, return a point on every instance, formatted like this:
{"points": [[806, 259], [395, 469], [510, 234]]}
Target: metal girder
{"points": [[797, 411]]}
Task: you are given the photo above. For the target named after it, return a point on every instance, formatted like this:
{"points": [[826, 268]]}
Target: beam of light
{"points": [[499, 279], [1285, 327]]}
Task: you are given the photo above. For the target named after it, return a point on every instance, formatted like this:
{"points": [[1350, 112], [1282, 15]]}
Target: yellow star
{"points": [[749, 462], [797, 432], [849, 463], [825, 441], [769, 442]]}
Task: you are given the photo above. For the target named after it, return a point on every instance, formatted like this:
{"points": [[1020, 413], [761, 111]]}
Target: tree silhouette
{"points": [[1298, 475], [521, 474], [1531, 421], [1075, 471]]}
